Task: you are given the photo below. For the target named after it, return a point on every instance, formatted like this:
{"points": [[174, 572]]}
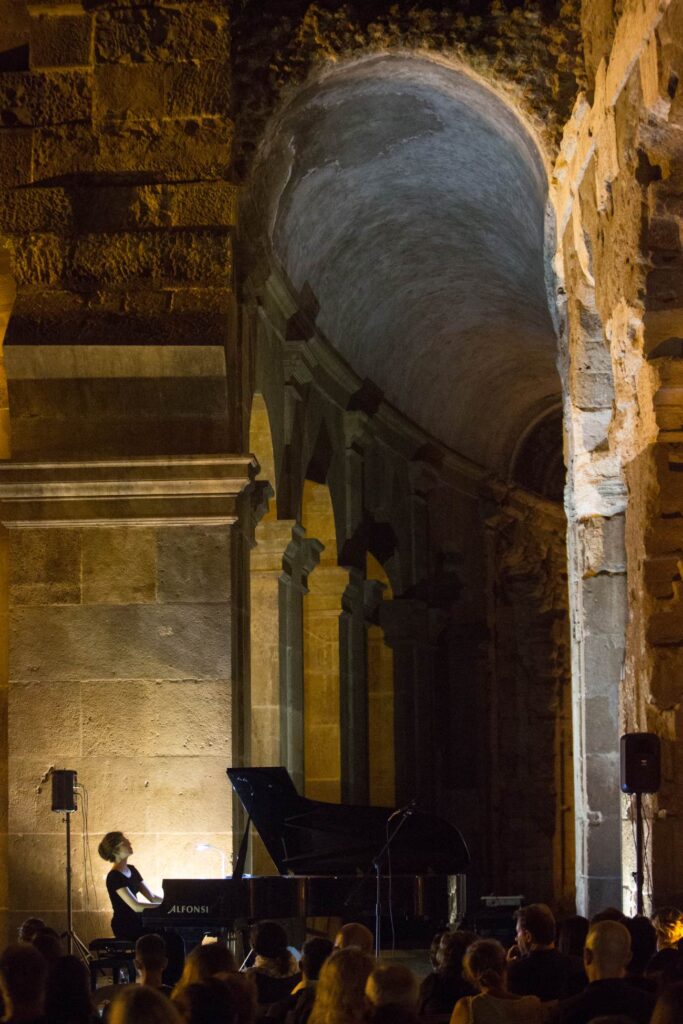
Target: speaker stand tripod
{"points": [[74, 945]]}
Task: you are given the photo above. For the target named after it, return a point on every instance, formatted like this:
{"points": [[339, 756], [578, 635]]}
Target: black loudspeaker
{"points": [[63, 790], [640, 762]]}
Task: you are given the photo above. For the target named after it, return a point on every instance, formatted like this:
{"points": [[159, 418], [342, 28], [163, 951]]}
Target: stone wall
{"points": [[615, 181]]}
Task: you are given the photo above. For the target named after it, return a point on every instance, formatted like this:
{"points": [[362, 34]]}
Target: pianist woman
{"points": [[124, 882]]}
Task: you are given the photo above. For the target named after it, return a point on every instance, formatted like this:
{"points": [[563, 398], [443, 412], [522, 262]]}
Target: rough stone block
{"points": [[601, 717], [203, 89], [190, 32], [129, 90], [156, 256], [605, 604], [199, 205], [121, 642], [156, 719], [100, 327], [64, 150], [664, 288], [45, 567], [119, 565], [170, 149], [34, 862], [178, 149], [44, 722], [38, 259], [63, 41], [44, 98], [28, 210], [193, 564], [16, 156], [603, 663], [602, 782]]}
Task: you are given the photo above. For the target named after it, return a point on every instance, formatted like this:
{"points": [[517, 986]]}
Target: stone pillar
{"points": [[353, 693], [322, 692], [272, 538], [599, 601], [120, 667], [300, 558], [407, 631], [380, 687]]}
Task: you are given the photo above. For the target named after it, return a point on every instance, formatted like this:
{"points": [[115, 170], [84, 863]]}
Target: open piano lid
{"points": [[306, 837]]}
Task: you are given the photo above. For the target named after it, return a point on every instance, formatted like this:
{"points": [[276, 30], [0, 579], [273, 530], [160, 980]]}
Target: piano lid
{"points": [[312, 837]]}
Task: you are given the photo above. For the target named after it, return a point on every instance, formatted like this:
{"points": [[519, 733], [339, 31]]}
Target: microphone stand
{"points": [[377, 864]]}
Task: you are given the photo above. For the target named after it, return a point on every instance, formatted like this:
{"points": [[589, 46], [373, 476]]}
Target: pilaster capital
{"points": [[301, 556], [253, 507], [358, 430]]}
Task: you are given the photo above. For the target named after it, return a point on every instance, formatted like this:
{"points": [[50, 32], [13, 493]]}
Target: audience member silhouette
{"points": [[340, 993], [140, 1004], [67, 997], [606, 955], [23, 977], [392, 993], [542, 970], [441, 989], [296, 1007], [485, 967], [275, 971], [571, 935], [151, 962], [220, 1000], [357, 935], [204, 962]]}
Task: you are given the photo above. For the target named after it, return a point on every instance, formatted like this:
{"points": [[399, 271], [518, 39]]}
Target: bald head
{"points": [[607, 951], [354, 934]]}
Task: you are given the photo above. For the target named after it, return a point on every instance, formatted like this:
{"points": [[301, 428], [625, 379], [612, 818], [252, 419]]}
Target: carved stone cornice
{"points": [[185, 490], [301, 556]]}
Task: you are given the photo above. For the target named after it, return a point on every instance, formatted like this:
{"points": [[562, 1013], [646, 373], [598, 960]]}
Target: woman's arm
{"points": [[131, 901], [148, 894]]}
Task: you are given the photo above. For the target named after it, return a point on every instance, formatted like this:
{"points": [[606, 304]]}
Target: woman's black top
{"points": [[126, 923]]}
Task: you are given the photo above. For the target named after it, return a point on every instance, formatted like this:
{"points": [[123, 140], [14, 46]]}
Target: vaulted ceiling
{"points": [[411, 200]]}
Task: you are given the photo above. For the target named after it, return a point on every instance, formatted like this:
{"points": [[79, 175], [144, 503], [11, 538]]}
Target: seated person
{"points": [[151, 962], [606, 956], [392, 993], [23, 979], [542, 970], [440, 990], [356, 935], [485, 967], [275, 971]]}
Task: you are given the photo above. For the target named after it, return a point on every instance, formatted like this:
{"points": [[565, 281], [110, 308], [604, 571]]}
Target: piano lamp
{"points": [[207, 846]]}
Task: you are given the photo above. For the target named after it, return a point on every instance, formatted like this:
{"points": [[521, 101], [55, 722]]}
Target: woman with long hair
{"points": [[340, 995], [485, 967], [204, 962]]}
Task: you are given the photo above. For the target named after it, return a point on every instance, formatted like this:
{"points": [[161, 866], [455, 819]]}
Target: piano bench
{"points": [[115, 955]]}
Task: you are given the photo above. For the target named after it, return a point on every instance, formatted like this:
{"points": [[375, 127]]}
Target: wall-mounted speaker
{"points": [[640, 762], [63, 790]]}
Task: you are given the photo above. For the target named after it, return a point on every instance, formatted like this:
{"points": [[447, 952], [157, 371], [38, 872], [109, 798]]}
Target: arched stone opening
{"points": [[403, 204], [321, 666]]}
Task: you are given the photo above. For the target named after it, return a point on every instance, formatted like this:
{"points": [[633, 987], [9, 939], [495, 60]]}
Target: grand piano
{"points": [[328, 857]]}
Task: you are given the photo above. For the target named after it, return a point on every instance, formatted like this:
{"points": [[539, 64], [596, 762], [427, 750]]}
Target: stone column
{"points": [[300, 558], [120, 667], [407, 631], [599, 600], [353, 693]]}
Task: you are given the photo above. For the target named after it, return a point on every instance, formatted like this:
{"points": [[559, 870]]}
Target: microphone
{"points": [[407, 810]]}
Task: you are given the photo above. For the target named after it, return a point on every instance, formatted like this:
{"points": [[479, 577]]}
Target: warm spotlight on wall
{"points": [[208, 846]]}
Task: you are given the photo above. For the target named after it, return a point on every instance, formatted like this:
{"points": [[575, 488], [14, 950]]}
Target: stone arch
{"points": [[321, 653]]}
